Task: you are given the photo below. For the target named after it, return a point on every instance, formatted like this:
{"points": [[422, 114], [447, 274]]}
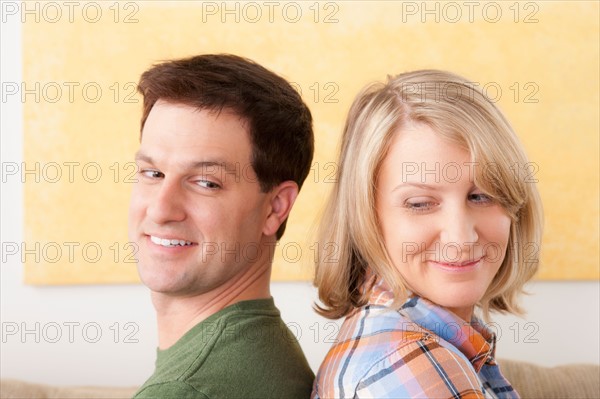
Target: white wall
{"points": [[563, 317]]}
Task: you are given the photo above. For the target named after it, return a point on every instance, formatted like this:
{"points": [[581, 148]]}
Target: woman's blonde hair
{"points": [[350, 238]]}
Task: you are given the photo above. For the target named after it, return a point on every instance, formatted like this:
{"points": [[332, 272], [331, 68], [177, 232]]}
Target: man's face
{"points": [[197, 212]]}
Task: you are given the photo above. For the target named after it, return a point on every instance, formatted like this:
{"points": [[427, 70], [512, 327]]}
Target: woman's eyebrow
{"points": [[414, 184]]}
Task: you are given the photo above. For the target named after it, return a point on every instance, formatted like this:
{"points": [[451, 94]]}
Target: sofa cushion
{"points": [[530, 380], [567, 381], [26, 390]]}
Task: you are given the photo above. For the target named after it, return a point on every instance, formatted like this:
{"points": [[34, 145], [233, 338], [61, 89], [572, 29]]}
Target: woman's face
{"points": [[444, 235]]}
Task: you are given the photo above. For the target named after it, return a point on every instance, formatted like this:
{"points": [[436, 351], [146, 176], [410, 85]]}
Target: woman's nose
{"points": [[459, 229]]}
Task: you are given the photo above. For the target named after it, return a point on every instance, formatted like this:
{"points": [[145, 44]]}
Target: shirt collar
{"points": [[475, 340]]}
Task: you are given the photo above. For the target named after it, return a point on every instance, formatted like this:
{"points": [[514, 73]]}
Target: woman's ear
{"points": [[283, 197]]}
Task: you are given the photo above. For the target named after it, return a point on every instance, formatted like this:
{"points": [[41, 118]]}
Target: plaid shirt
{"points": [[418, 351]]}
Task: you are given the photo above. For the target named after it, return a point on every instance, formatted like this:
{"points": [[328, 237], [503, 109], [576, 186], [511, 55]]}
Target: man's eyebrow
{"points": [[139, 156]]}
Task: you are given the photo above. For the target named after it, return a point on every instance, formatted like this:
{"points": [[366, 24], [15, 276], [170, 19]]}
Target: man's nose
{"points": [[166, 204]]}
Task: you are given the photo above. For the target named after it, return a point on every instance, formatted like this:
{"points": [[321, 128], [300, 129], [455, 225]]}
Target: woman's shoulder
{"points": [[381, 325], [378, 347], [368, 336]]}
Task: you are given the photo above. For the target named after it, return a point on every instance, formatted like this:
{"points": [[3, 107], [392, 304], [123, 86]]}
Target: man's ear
{"points": [[283, 197]]}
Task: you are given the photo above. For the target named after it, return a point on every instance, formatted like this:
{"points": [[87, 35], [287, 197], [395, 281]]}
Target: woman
{"points": [[434, 218]]}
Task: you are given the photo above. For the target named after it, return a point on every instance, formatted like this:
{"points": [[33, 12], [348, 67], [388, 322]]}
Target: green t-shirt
{"points": [[243, 351]]}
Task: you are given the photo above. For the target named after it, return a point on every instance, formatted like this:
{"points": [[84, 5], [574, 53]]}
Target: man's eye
{"points": [[208, 184], [153, 174]]}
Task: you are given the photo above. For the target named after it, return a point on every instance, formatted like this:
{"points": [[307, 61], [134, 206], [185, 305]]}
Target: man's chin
{"points": [[156, 280]]}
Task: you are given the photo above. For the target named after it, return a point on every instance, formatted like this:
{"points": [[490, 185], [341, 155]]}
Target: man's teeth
{"points": [[169, 243]]}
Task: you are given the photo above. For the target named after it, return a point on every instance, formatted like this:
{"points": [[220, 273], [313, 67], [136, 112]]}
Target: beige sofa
{"points": [[531, 381]]}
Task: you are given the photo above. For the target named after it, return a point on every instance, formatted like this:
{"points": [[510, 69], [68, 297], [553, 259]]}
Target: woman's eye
{"points": [[421, 206], [480, 198], [151, 173]]}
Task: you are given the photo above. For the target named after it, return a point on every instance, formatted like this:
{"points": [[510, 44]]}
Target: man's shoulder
{"points": [[251, 353], [245, 350], [247, 323], [262, 341], [167, 390]]}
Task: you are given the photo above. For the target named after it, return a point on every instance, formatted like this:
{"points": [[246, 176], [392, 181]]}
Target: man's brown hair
{"points": [[280, 124]]}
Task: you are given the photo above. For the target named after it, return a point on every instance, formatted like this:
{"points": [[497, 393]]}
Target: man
{"points": [[225, 147]]}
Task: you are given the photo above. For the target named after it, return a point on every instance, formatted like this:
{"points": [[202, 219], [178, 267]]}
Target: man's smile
{"points": [[166, 242]]}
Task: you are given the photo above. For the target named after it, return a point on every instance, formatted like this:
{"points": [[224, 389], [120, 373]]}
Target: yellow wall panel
{"points": [[538, 60]]}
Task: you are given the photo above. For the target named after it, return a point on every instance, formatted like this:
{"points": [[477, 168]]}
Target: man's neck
{"points": [[176, 315]]}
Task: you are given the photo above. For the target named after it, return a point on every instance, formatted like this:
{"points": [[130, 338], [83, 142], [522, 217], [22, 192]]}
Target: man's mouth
{"points": [[169, 242]]}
